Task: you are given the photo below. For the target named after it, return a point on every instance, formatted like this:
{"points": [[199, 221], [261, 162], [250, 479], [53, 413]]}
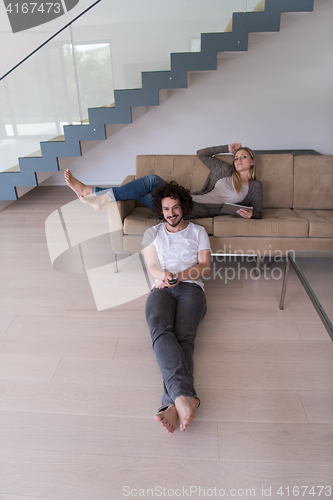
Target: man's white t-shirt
{"points": [[178, 251]]}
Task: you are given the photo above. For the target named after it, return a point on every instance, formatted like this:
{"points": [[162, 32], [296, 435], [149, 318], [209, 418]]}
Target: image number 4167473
{"points": [[24, 15]]}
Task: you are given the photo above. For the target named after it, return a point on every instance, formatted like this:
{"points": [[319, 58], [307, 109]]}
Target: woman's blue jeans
{"points": [[173, 316], [139, 189]]}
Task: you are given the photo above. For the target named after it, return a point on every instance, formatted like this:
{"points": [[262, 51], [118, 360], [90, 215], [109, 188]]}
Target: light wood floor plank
{"points": [[312, 330], [23, 367], [85, 477], [59, 345], [60, 287], [236, 376], [249, 329], [36, 306], [265, 376], [219, 350], [229, 307], [77, 326], [80, 399], [5, 321], [5, 278], [276, 442], [87, 308], [318, 406], [97, 372], [252, 351], [106, 436], [15, 264], [216, 405], [231, 310], [20, 497], [251, 406]]}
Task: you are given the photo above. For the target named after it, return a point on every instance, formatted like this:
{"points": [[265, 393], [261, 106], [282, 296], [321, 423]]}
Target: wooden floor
{"points": [[79, 388]]}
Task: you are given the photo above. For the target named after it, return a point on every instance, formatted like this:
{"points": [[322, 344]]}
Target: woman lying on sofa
{"points": [[225, 184]]}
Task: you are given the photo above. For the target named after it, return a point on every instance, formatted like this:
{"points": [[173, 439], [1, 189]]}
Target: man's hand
{"points": [[233, 147], [160, 284], [167, 277]]}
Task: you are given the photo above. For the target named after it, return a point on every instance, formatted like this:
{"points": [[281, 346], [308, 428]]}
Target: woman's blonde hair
{"points": [[252, 171]]}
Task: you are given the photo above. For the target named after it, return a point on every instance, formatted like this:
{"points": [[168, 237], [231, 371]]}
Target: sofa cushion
{"points": [[142, 218], [313, 186], [274, 223], [320, 222]]}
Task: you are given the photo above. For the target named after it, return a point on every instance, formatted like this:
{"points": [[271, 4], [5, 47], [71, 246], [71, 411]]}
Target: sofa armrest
{"points": [[116, 214], [126, 207], [128, 179]]}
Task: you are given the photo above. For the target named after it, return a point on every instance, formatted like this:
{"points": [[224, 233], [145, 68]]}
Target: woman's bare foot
{"points": [[168, 418], [185, 407], [97, 202], [78, 187]]}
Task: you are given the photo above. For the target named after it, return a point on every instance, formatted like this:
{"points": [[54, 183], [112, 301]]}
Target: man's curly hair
{"points": [[174, 191]]}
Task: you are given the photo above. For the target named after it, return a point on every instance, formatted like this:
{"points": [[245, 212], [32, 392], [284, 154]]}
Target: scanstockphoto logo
{"points": [[83, 240], [24, 15]]}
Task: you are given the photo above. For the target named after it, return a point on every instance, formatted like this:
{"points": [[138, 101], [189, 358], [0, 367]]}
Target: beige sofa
{"points": [[297, 204]]}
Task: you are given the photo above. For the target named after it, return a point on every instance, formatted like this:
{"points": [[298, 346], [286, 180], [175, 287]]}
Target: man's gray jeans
{"points": [[173, 316]]}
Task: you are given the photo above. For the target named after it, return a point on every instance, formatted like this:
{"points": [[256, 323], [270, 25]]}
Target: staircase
{"points": [[53, 154]]}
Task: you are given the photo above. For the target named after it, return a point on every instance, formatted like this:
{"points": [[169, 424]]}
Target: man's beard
{"points": [[175, 224]]}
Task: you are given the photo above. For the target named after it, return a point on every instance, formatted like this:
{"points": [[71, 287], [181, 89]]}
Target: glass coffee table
{"points": [[315, 272]]}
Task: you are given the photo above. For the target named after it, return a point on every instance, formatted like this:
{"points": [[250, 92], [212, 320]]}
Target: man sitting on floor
{"points": [[180, 251]]}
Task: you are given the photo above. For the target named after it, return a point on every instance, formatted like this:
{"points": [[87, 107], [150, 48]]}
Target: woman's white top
{"points": [[223, 192]]}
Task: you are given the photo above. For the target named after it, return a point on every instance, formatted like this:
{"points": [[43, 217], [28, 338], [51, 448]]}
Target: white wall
{"points": [[278, 95]]}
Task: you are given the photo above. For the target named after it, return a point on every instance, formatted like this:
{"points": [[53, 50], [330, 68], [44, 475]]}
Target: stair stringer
{"points": [[181, 64]]}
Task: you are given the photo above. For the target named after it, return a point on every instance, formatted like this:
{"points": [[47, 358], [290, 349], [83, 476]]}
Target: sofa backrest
{"points": [[187, 170], [275, 171], [313, 185]]}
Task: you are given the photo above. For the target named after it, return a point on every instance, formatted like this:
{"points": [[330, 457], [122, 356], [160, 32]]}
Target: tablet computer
{"points": [[231, 209]]}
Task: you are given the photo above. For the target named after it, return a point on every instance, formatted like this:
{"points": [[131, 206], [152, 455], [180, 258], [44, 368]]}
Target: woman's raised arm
{"points": [[207, 156]]}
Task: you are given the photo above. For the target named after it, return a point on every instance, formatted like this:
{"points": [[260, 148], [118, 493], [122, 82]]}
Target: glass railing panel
{"points": [[142, 35], [37, 99], [250, 5], [94, 73]]}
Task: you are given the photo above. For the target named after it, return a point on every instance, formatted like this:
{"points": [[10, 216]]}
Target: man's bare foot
{"points": [[168, 418], [185, 407], [78, 187], [97, 202]]}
